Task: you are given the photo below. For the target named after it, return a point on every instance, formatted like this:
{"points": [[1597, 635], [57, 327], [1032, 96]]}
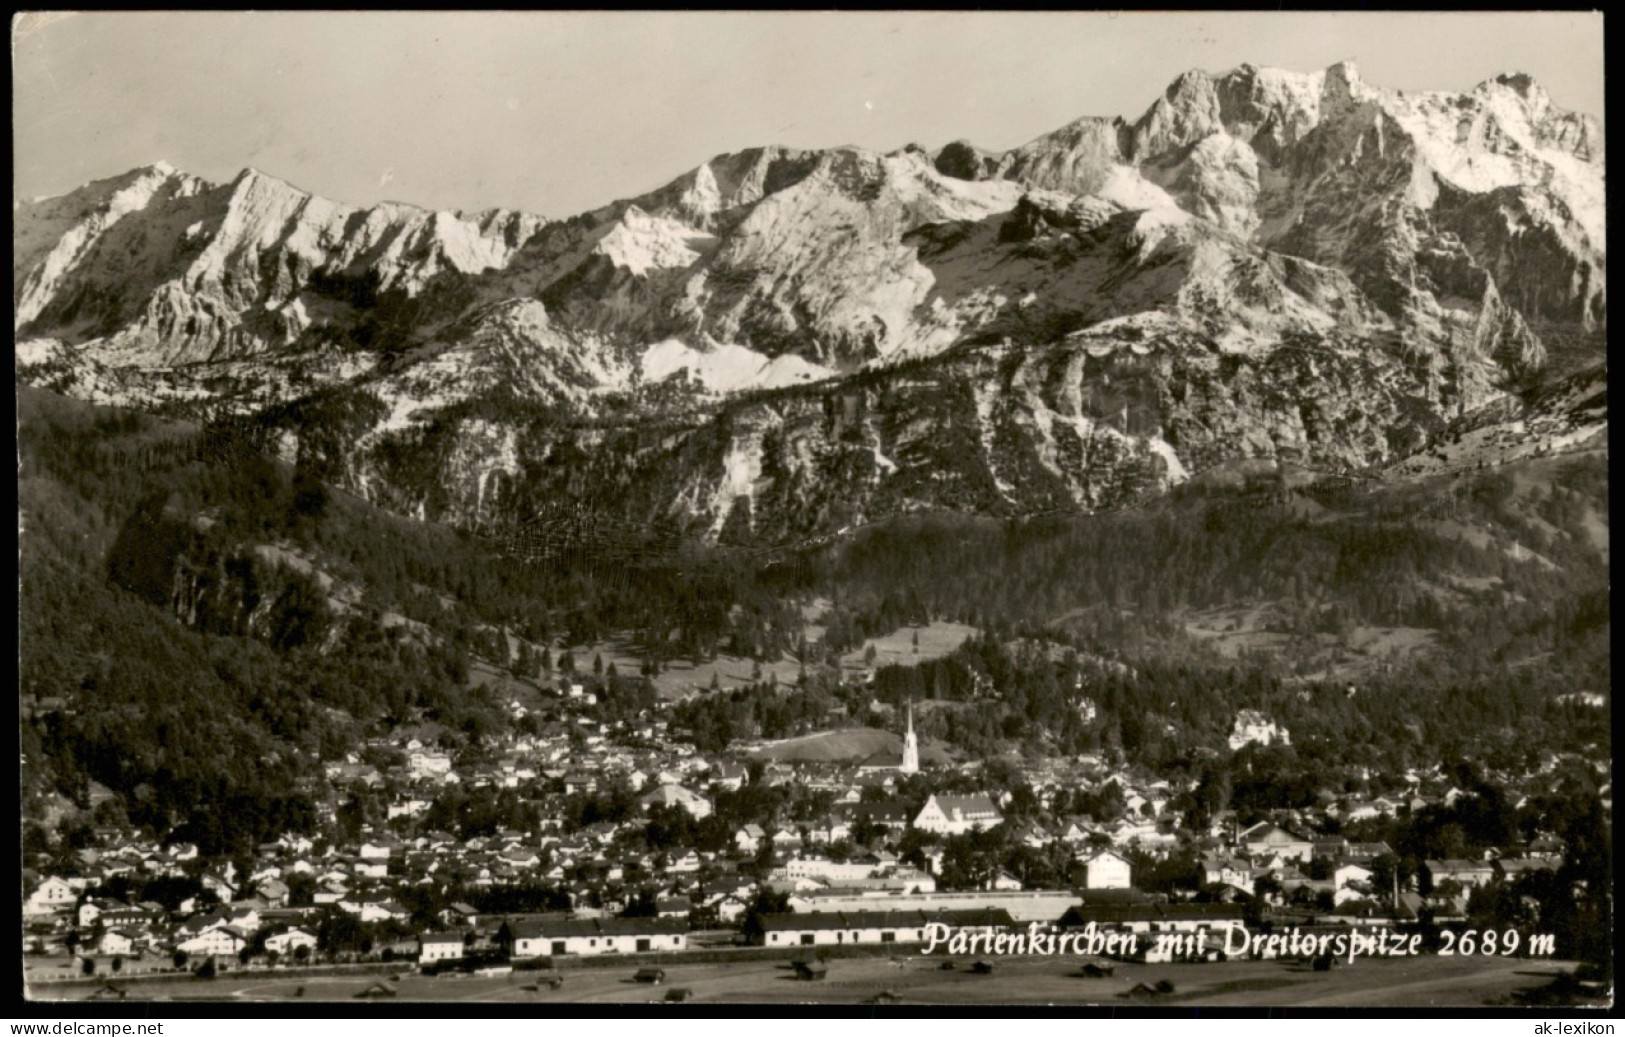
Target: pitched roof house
{"points": [[956, 815], [698, 806]]}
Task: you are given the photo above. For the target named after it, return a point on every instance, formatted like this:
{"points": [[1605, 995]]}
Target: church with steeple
{"points": [[887, 760], [911, 747]]}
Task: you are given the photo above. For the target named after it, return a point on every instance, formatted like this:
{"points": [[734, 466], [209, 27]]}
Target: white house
{"points": [[730, 908], [795, 886], [913, 880], [521, 857], [832, 872], [289, 941], [1106, 869], [1227, 872], [1265, 839], [374, 910], [687, 864], [956, 815], [274, 892], [434, 947], [731, 776], [89, 911], [50, 897], [244, 916], [1251, 726], [1074, 832], [376, 851], [118, 941], [1360, 810], [219, 939], [698, 807], [1471, 874], [410, 807], [219, 886], [292, 841], [1350, 881], [829, 830], [1005, 882], [423, 763]]}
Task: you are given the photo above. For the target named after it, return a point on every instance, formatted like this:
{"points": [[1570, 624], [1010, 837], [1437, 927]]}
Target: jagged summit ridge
{"points": [[161, 267], [1102, 309], [1273, 157]]}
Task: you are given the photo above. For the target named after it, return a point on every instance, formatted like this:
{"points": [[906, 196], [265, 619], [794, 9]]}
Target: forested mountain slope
{"points": [[202, 626]]}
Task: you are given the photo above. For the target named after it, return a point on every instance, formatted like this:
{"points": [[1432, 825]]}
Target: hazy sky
{"points": [[557, 113]]}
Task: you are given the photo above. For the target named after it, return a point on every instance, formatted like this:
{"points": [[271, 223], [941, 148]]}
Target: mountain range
{"points": [[783, 343]]}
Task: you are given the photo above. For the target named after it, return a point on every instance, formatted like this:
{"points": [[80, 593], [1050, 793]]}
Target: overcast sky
{"points": [[557, 113]]}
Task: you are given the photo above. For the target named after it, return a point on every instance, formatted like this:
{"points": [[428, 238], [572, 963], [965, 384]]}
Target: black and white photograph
{"points": [[916, 509]]}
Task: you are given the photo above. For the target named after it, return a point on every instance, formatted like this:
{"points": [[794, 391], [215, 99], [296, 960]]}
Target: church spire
{"points": [[911, 745]]}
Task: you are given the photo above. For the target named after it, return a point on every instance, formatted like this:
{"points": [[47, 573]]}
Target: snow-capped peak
{"points": [[857, 258]]}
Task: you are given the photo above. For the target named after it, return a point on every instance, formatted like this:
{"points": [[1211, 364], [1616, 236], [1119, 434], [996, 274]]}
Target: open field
{"points": [[915, 979], [682, 677], [852, 743], [1235, 631], [936, 640], [855, 743]]}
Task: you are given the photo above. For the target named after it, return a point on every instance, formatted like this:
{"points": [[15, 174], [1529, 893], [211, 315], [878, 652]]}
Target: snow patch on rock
{"points": [[641, 243], [1126, 188], [1176, 471], [741, 469], [727, 368]]}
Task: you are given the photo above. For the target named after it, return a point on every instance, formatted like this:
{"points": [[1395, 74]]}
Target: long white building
{"points": [[594, 936]]}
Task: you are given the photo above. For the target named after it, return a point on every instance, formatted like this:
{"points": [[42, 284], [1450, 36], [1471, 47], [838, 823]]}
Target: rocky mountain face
{"points": [[782, 343]]}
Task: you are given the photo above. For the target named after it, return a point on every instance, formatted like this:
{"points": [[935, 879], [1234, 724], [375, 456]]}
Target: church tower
{"points": [[911, 747]]}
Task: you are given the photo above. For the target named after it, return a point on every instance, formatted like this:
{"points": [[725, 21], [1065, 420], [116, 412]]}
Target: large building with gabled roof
{"points": [[956, 815]]}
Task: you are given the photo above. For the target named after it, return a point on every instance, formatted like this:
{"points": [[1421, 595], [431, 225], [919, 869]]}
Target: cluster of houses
{"points": [[868, 895], [1267, 851]]}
